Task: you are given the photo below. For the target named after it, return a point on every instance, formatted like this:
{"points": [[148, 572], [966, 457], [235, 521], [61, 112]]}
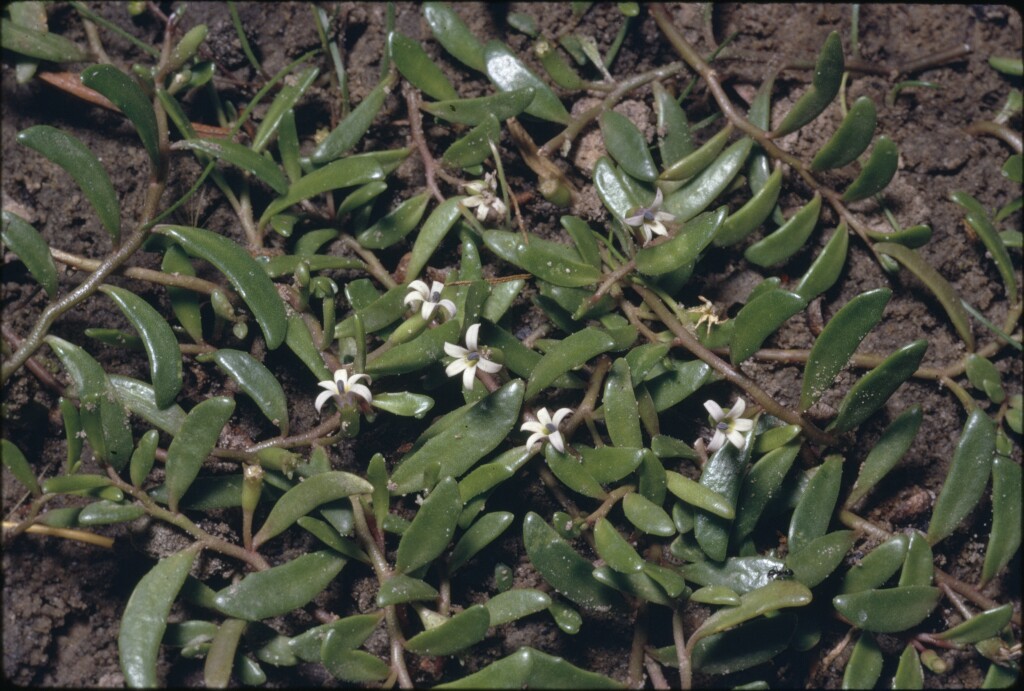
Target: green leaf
{"points": [[474, 147], [626, 144], [887, 451], [281, 589], [349, 131], [158, 339], [814, 562], [698, 194], [145, 618], [395, 225], [474, 111], [1005, 536], [39, 44], [749, 644], [614, 549], [770, 598], [306, 496], [684, 247], [865, 664], [851, 139], [547, 260], [788, 239], [403, 403], [434, 229], [571, 352], [242, 157], [675, 140], [432, 529], [983, 375], [139, 397], [510, 74], [453, 34], [697, 494], [416, 66], [285, 101], [813, 511], [759, 319], [346, 172], [877, 566], [532, 669], [562, 567], [515, 604], [244, 273], [26, 242], [400, 589], [190, 447], [15, 461], [919, 566], [838, 342], [458, 633], [760, 486], [740, 574], [647, 516], [997, 249], [909, 674], [354, 666], [258, 382], [128, 96], [828, 73], [751, 215], [874, 388], [825, 270], [888, 610], [75, 157], [620, 409], [979, 627], [723, 473], [877, 172], [939, 287], [967, 476], [482, 533], [184, 302], [686, 167]]}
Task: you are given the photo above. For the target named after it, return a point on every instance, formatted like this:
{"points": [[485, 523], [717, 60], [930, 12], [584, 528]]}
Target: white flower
{"points": [[429, 298], [650, 220], [484, 197], [728, 425], [468, 359], [546, 428], [343, 387]]}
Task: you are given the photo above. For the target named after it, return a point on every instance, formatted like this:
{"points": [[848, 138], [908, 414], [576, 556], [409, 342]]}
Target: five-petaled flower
{"points": [[545, 428], [484, 197], [429, 298], [468, 359], [650, 220], [728, 424], [345, 388]]}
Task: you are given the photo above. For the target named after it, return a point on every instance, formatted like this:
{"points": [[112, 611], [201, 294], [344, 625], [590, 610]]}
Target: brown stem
{"points": [[761, 397], [412, 105], [682, 651], [996, 129], [373, 265], [192, 283], [635, 680]]}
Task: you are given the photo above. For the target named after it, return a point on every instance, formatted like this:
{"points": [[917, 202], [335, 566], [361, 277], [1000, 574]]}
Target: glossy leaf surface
{"points": [[26, 242], [127, 95], [279, 590], [888, 610], [190, 447], [306, 496], [968, 475], [828, 73], [874, 388], [562, 567]]}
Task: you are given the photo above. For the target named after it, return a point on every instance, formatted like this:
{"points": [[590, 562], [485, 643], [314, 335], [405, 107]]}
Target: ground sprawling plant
{"points": [[751, 527]]}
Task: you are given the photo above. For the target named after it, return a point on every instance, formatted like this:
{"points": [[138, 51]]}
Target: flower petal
{"points": [[481, 212], [488, 366], [656, 227], [427, 309], [634, 221], [736, 439], [472, 201], [471, 336], [453, 350], [413, 299], [323, 398], [535, 438], [468, 376], [555, 439], [560, 415], [341, 379], [714, 410], [743, 425], [532, 426], [544, 417], [716, 441], [420, 287], [362, 391], [449, 307], [737, 409], [455, 367], [329, 385]]}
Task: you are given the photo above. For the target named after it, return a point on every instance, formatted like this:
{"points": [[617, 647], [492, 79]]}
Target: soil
{"points": [[63, 600]]}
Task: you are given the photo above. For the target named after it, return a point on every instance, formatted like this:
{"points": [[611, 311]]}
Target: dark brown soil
{"points": [[63, 600]]}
